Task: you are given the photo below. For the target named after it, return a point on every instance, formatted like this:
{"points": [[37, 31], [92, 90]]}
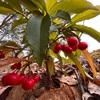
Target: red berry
{"points": [[28, 84], [22, 76], [57, 47], [74, 48], [3, 79], [55, 51], [67, 49], [2, 55], [72, 41], [82, 45], [63, 47], [12, 79], [16, 66], [1, 51], [36, 78], [13, 67]]}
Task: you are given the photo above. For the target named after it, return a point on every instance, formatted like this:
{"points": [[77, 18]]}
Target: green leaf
{"points": [[37, 35], [64, 15], [55, 27], [89, 31], [75, 60], [29, 5], [18, 22], [40, 4], [85, 15], [60, 60], [50, 63], [72, 6], [15, 5], [4, 10], [50, 4], [98, 7]]}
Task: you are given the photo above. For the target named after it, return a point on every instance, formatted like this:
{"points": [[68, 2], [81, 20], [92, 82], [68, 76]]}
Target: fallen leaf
{"points": [[10, 61], [93, 88], [87, 96], [62, 93], [70, 80]]}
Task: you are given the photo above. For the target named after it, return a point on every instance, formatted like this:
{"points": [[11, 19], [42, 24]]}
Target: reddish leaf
{"points": [[10, 61], [87, 55]]}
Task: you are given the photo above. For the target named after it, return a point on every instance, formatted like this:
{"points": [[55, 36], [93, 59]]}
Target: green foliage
{"points": [[40, 4], [37, 34], [15, 5], [75, 60], [50, 4], [72, 6], [29, 5], [50, 22], [19, 22], [5, 8], [88, 30], [85, 15]]}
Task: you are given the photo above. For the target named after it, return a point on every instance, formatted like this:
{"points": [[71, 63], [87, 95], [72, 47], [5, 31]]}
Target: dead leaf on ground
{"points": [[63, 93], [10, 61], [70, 80], [87, 96], [93, 88]]}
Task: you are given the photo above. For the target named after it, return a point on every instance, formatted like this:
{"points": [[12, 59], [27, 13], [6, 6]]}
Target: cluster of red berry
{"points": [[73, 45], [20, 79], [2, 55]]}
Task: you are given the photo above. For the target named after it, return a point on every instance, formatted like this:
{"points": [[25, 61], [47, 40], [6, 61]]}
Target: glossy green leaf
{"points": [[89, 31], [55, 27], [37, 35], [72, 6], [75, 60], [40, 4], [85, 15], [50, 4], [15, 5], [29, 5], [63, 15], [18, 22]]}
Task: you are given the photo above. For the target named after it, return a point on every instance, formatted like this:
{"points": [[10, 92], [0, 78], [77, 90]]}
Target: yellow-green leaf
{"points": [[85, 15], [72, 6], [89, 31], [50, 4], [87, 55], [19, 22], [15, 5], [40, 4], [29, 5], [4, 10], [75, 60]]}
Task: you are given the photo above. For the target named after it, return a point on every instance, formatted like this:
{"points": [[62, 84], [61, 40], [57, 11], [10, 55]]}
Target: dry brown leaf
{"points": [[63, 93], [77, 92], [70, 80], [93, 88], [11, 60], [87, 96]]}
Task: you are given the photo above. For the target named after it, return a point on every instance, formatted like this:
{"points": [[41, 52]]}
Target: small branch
{"points": [[79, 80]]}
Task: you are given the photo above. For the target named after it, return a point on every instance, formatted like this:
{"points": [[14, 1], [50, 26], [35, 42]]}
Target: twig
{"points": [[79, 80]]}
